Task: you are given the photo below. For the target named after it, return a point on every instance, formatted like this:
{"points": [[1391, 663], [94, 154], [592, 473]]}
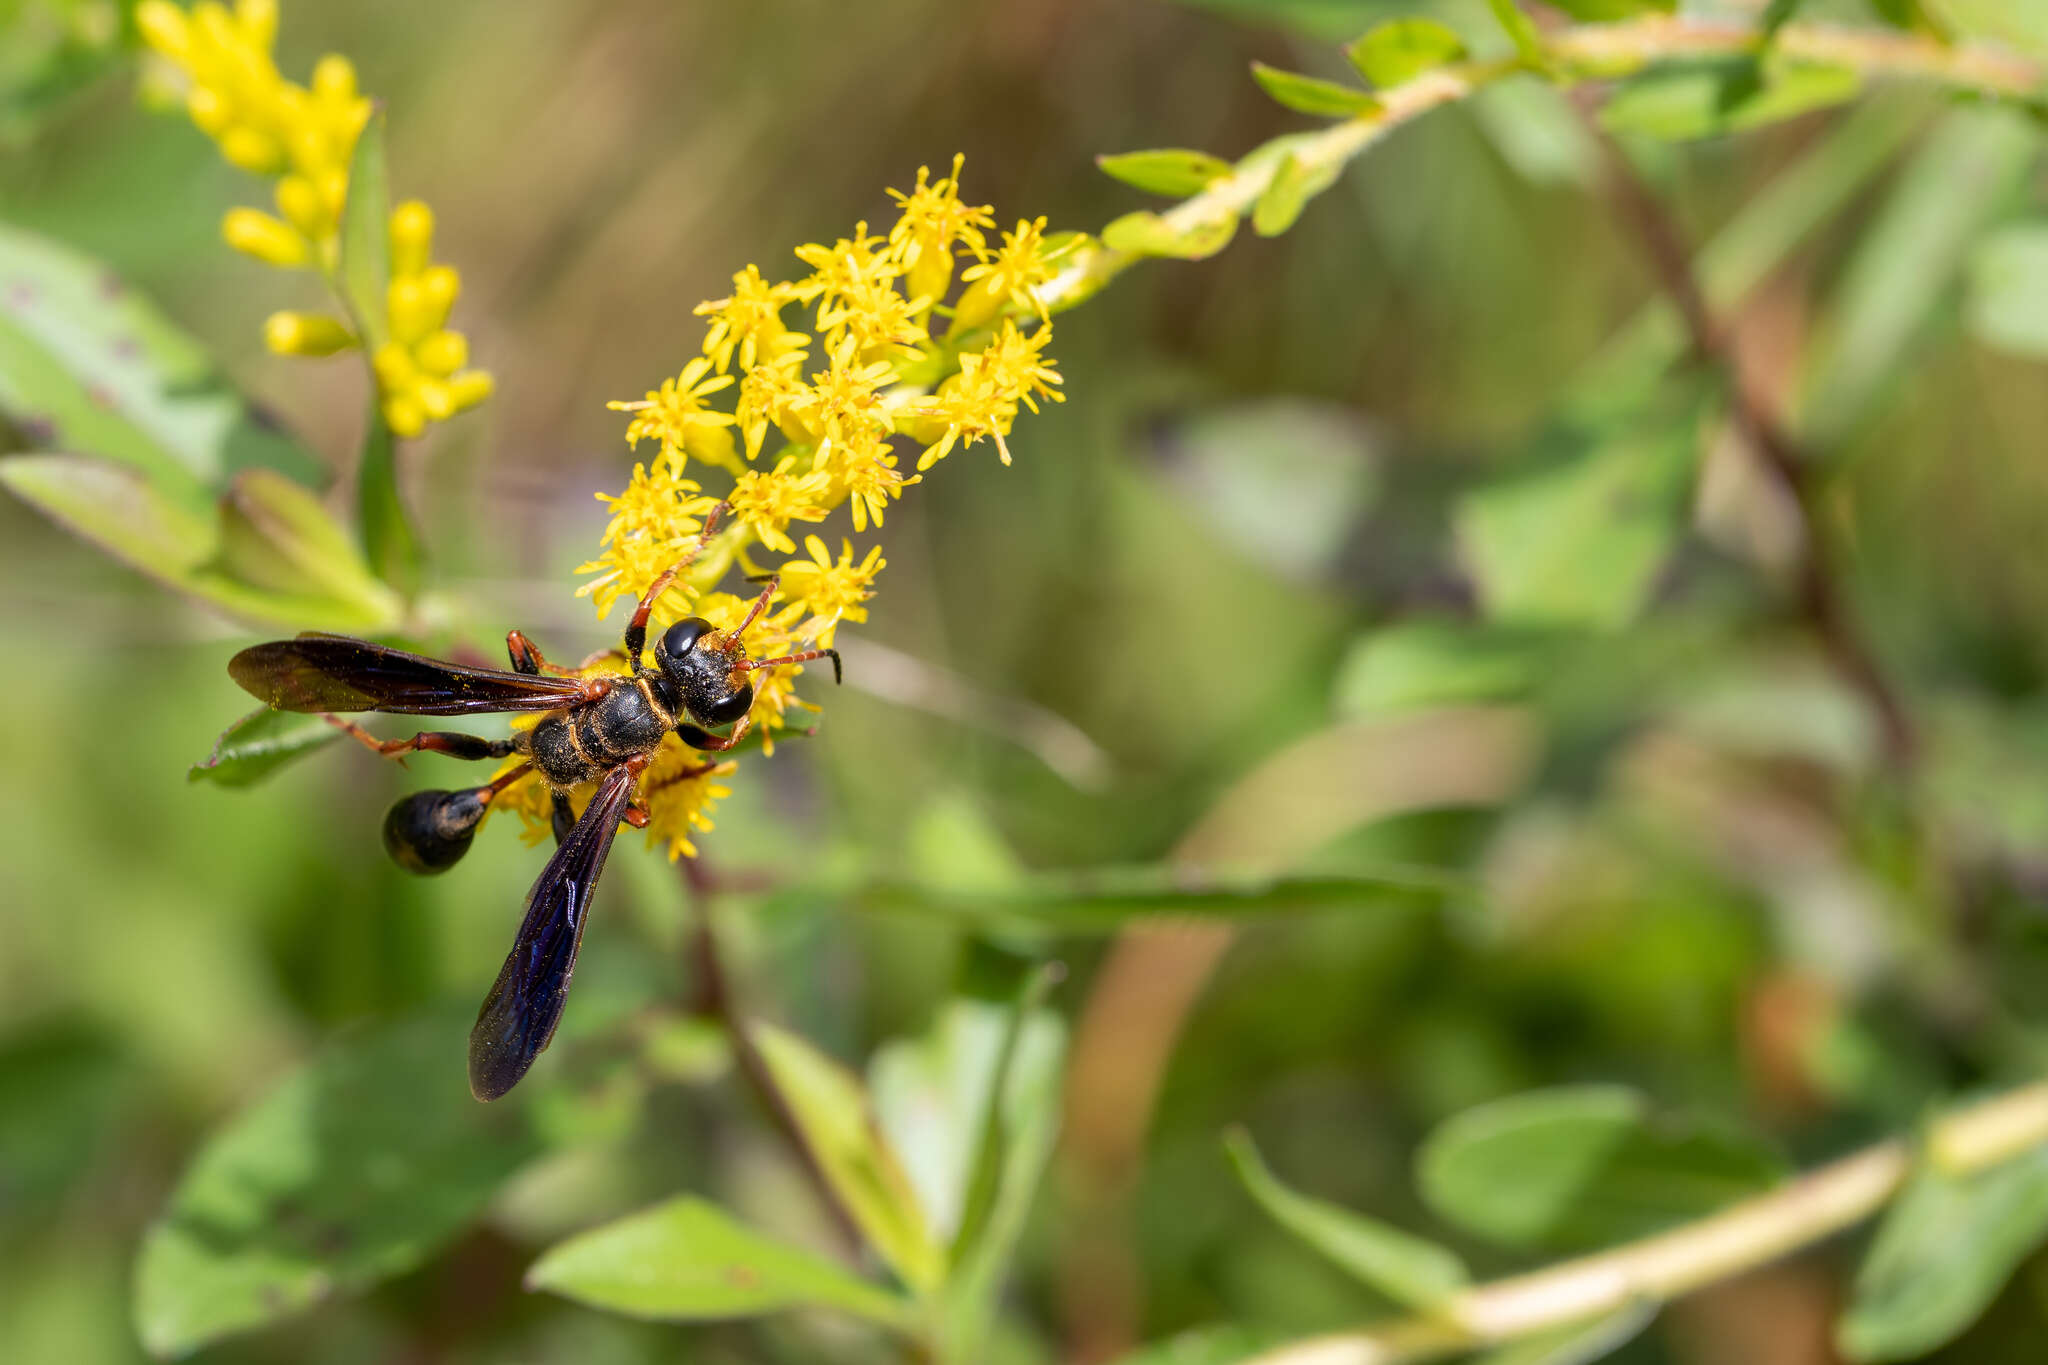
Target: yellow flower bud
{"points": [[436, 398], [264, 237], [251, 148], [412, 238], [306, 334], [163, 27], [395, 370], [441, 285], [404, 415], [312, 150], [334, 78], [333, 183], [211, 110], [978, 306], [470, 388], [443, 353], [300, 204], [213, 30], [258, 21], [406, 304]]}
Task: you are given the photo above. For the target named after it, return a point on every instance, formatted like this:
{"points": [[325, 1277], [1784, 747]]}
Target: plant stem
{"points": [[1656, 1269], [1584, 53]]}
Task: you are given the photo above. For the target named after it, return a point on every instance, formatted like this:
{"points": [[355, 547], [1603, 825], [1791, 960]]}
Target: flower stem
{"points": [[1656, 1269]]}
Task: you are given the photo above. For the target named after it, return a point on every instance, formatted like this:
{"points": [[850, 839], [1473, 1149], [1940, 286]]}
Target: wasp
{"points": [[602, 729]]}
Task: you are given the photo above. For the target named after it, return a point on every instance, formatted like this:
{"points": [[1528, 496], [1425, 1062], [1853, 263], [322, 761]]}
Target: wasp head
{"points": [[706, 672]]}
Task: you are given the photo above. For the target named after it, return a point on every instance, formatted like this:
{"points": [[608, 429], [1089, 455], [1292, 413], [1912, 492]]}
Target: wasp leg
{"points": [[564, 818], [451, 742], [526, 657], [636, 629], [714, 744]]}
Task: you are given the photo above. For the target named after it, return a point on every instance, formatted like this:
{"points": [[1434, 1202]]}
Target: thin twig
{"points": [[1820, 599], [1736, 1240], [716, 1001]]}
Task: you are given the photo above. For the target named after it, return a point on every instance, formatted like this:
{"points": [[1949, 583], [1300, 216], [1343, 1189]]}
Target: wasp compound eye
{"points": [[680, 638], [429, 831]]}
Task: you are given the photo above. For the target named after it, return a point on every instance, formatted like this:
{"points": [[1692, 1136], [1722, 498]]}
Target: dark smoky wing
{"points": [[336, 673], [519, 1015]]}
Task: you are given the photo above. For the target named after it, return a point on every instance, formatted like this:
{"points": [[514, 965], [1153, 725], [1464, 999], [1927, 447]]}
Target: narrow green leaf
{"points": [[259, 744], [388, 537], [89, 365], [1963, 174], [1152, 234], [1293, 184], [1580, 1343], [1440, 663], [1399, 50], [1103, 900], [365, 266], [1521, 30], [1581, 543], [1911, 15], [1312, 94], [130, 517], [351, 1170], [687, 1260], [1583, 1166], [1680, 104], [2009, 290], [277, 536], [1946, 1247], [1172, 171], [1407, 1269], [832, 1110], [1608, 11]]}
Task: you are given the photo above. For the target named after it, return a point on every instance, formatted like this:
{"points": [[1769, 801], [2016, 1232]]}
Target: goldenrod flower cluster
{"points": [[883, 368], [305, 137]]}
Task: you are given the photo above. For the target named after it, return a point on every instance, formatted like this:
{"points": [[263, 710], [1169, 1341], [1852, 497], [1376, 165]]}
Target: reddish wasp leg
{"points": [[450, 742], [526, 657], [760, 604], [495, 788], [636, 815], [636, 629], [802, 658], [715, 744]]}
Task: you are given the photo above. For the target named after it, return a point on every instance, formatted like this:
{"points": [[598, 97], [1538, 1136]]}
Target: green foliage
{"points": [[2009, 289], [1945, 1249], [1294, 183], [364, 270], [1176, 171], [259, 744], [1575, 1344], [1402, 49], [1714, 101], [1312, 94], [355, 1168], [1581, 1166], [1405, 1268], [1150, 234], [1521, 30], [686, 1259]]}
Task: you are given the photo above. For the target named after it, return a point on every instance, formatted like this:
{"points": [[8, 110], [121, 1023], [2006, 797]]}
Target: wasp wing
{"points": [[336, 673], [519, 1015]]}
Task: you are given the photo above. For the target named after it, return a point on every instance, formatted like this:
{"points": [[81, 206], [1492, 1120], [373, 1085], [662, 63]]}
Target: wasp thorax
{"points": [[706, 670], [429, 831]]}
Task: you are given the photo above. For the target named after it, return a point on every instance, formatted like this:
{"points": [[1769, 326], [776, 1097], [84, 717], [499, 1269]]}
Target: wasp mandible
{"points": [[602, 729]]}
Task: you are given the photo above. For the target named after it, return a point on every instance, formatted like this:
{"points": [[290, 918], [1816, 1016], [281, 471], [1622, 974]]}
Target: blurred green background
{"points": [[1227, 588]]}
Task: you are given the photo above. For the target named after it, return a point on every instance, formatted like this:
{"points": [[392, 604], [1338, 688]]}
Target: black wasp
{"points": [[601, 729]]}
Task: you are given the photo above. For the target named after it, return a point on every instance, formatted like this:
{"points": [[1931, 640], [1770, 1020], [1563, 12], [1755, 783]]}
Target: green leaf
{"points": [[1152, 234], [1911, 15], [1607, 11], [2009, 290], [259, 744], [1577, 1344], [686, 1259], [388, 538], [1581, 1166], [832, 1110], [353, 1169], [1407, 1269], [1104, 900], [1945, 1248], [1581, 543], [1963, 173], [1293, 184], [277, 536], [1223, 1344], [1521, 30], [1311, 94], [365, 266], [1440, 663], [1171, 171], [88, 365], [50, 50], [132, 518], [1682, 103], [1402, 49]]}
